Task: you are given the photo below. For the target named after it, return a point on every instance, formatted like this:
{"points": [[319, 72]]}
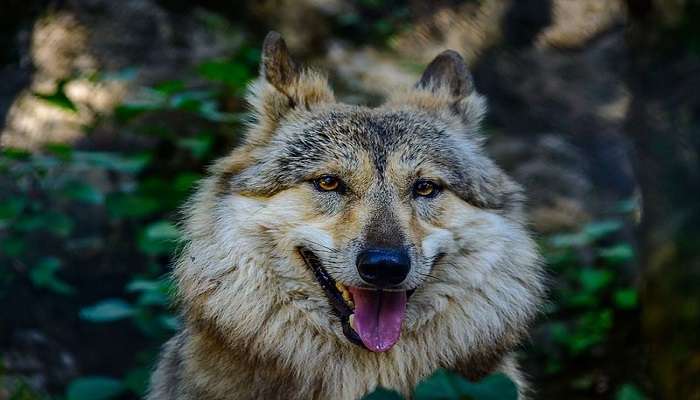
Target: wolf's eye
{"points": [[328, 183], [425, 188]]}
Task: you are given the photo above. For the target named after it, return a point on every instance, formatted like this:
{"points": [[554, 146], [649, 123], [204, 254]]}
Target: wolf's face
{"points": [[371, 221]]}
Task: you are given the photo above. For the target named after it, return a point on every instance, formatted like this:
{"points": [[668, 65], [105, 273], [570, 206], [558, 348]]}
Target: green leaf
{"points": [[600, 229], [626, 299], [60, 150], [185, 181], [170, 87], [251, 55], [15, 153], [441, 385], [497, 386], [83, 192], [113, 161], [58, 224], [159, 238], [11, 208], [153, 298], [629, 392], [444, 385], [94, 388], [170, 322], [589, 234], [567, 240], [107, 311], [579, 343], [132, 205], [209, 110], [190, 100], [591, 329], [581, 299], [139, 285], [559, 331], [58, 98], [136, 380], [30, 223], [594, 279], [162, 230], [199, 145], [627, 206], [152, 292], [54, 222], [233, 74], [128, 111], [383, 394], [13, 246], [617, 254], [43, 275]]}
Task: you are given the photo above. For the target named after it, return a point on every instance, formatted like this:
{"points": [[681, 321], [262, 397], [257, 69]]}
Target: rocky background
{"points": [[112, 110]]}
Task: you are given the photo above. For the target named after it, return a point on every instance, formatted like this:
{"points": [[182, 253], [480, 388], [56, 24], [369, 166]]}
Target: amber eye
{"points": [[424, 188], [327, 183]]}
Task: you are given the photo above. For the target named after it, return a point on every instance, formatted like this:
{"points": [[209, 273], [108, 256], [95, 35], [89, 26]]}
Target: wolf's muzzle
{"points": [[383, 268]]}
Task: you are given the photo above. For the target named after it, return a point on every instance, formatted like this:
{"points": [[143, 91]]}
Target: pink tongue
{"points": [[378, 317]]}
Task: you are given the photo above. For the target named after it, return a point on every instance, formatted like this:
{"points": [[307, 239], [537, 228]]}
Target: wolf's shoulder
{"points": [[166, 381]]}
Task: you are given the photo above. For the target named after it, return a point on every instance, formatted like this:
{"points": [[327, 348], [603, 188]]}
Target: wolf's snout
{"points": [[383, 267]]}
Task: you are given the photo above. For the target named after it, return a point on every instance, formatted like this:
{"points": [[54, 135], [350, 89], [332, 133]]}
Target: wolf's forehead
{"points": [[343, 136], [371, 127]]}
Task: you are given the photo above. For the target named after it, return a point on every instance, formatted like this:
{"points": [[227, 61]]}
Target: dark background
{"points": [[111, 111]]}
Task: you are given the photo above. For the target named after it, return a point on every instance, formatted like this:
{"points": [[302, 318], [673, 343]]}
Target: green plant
{"points": [[444, 385], [147, 206], [593, 297]]}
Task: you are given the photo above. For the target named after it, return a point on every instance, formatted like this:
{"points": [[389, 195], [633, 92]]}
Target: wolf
{"points": [[341, 248]]}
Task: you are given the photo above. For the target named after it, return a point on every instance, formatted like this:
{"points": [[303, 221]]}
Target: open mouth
{"points": [[371, 318]]}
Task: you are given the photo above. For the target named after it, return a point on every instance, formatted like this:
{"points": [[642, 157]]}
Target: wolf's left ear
{"points": [[284, 85], [277, 66], [446, 86]]}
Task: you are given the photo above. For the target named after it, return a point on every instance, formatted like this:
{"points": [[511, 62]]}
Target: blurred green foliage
{"points": [[444, 385], [55, 197], [593, 308], [137, 190]]}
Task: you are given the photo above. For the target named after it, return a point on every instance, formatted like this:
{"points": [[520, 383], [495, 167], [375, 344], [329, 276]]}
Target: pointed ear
{"points": [[447, 89], [277, 66], [447, 73], [283, 86]]}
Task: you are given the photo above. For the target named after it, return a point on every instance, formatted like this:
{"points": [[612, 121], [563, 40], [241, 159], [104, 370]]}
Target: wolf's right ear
{"points": [[284, 86], [277, 66]]}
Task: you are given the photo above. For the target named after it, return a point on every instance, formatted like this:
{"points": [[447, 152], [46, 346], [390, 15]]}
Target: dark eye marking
{"points": [[426, 188]]}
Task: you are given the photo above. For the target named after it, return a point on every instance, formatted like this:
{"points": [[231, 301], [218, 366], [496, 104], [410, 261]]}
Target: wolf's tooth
{"points": [[345, 293], [351, 319]]}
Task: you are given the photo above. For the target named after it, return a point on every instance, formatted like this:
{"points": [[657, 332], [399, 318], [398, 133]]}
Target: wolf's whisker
{"points": [[321, 245], [434, 278]]}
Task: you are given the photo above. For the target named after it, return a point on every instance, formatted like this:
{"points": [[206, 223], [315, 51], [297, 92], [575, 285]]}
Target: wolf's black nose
{"points": [[383, 267]]}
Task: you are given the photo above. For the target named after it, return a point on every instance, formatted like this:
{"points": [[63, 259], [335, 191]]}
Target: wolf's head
{"points": [[361, 224]]}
